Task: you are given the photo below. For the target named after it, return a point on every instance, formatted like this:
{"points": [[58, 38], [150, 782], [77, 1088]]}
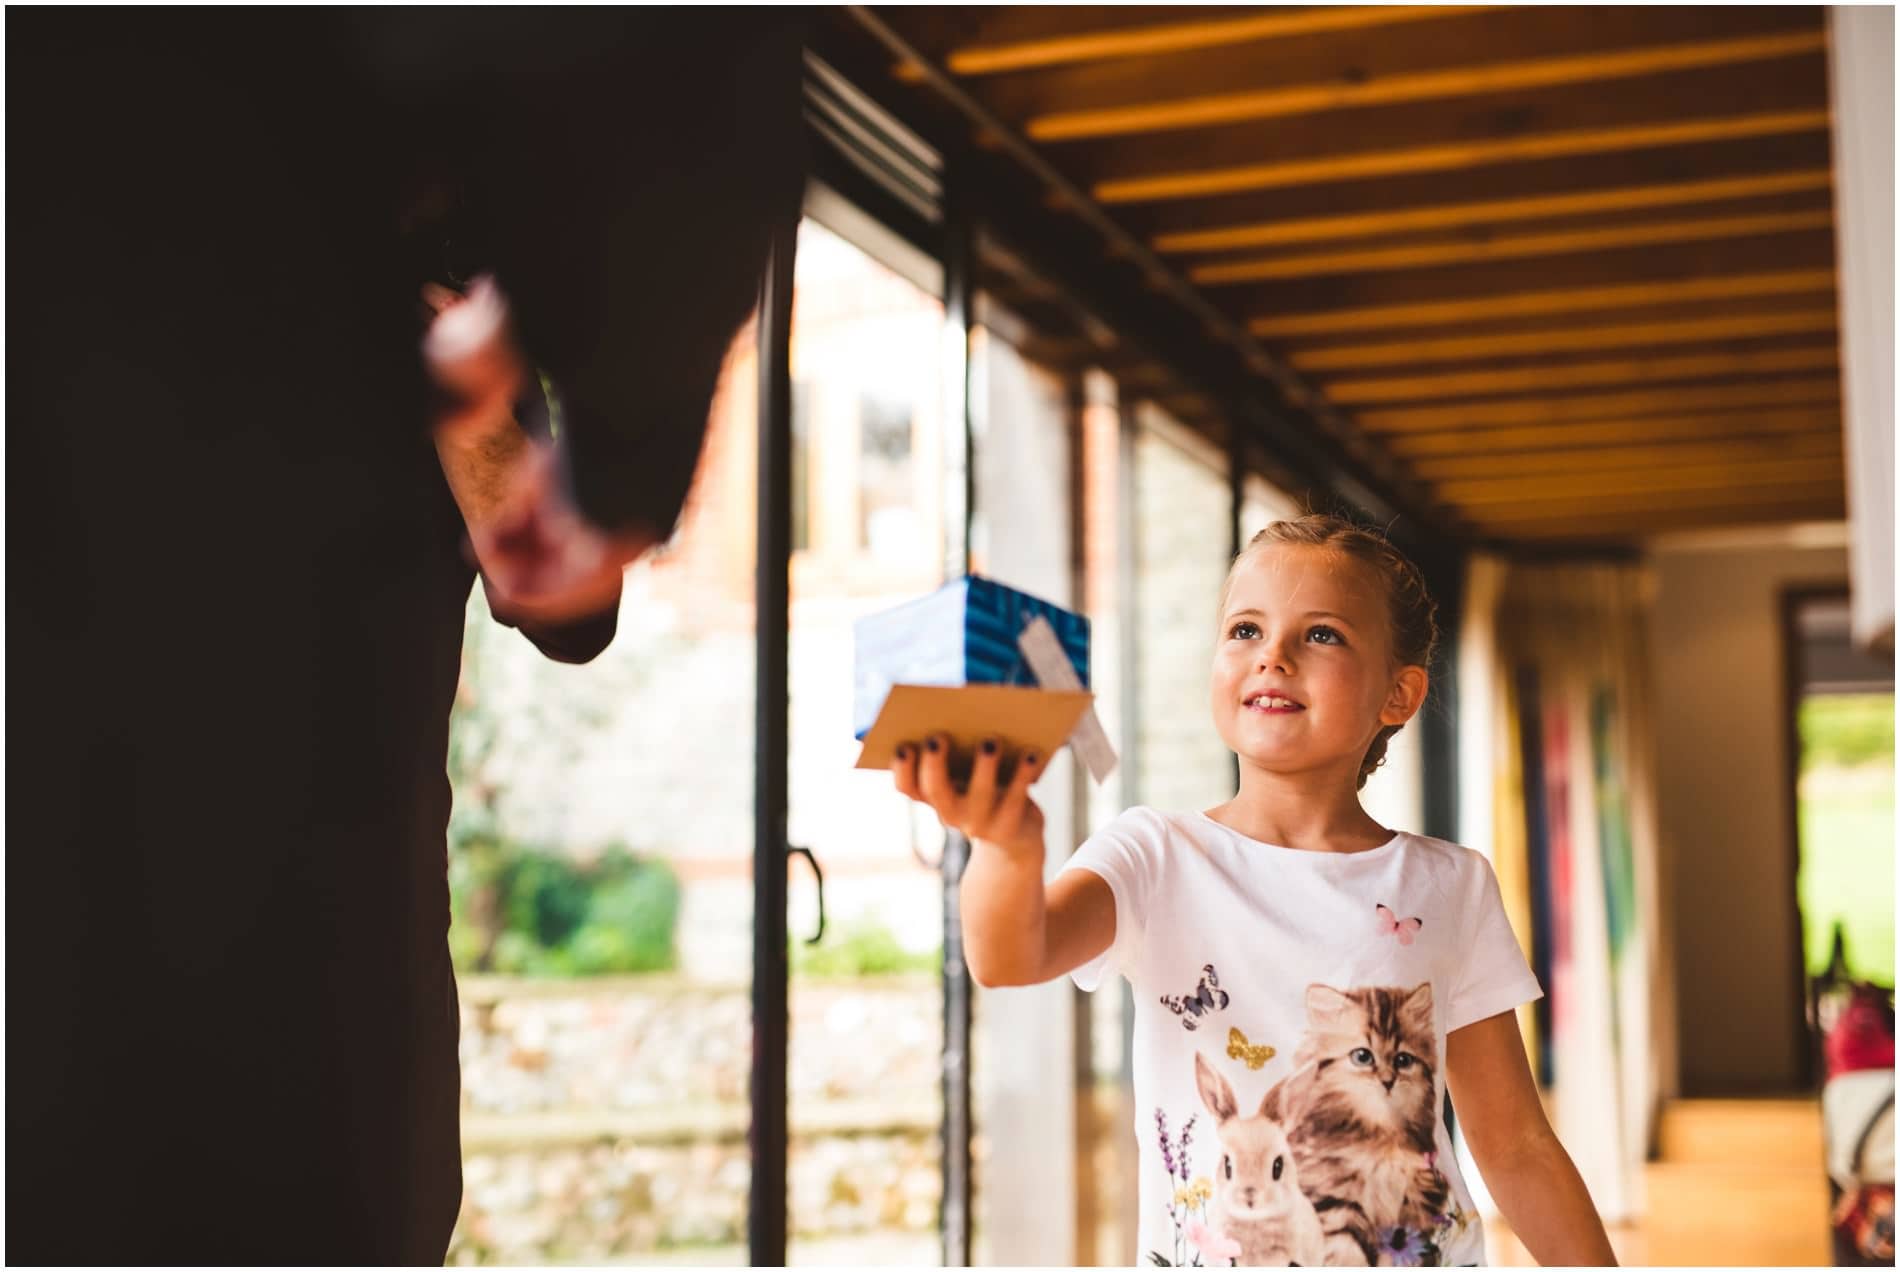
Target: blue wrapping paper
{"points": [[964, 633]]}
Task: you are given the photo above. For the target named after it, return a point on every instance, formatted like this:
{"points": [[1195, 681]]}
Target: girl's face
{"points": [[1304, 673]]}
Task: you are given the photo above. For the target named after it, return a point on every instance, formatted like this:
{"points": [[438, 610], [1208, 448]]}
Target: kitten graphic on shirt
{"points": [[1360, 1115]]}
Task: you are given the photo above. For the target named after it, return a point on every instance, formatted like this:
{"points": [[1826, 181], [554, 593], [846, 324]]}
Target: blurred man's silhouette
{"points": [[237, 580]]}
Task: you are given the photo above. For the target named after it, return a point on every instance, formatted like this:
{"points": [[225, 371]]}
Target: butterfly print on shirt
{"points": [[1253, 1054], [1208, 997], [1390, 924]]}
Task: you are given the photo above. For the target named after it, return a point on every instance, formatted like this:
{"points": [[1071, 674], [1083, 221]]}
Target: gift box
{"points": [[964, 633], [962, 662]]}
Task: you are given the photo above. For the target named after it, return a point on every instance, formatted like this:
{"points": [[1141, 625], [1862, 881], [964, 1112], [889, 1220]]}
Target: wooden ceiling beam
{"points": [[1790, 504], [1769, 159], [1459, 40], [1509, 412], [1416, 447], [1648, 502], [1576, 375], [1509, 344], [1627, 527], [1058, 351], [1665, 267], [1453, 156], [1471, 493], [1524, 304], [937, 30], [1181, 37], [1715, 93], [1145, 377], [1794, 445], [1447, 41], [1510, 247], [1453, 216], [1399, 89]]}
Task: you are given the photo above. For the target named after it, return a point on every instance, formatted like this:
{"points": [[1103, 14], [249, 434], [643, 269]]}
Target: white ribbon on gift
{"points": [[1050, 662]]}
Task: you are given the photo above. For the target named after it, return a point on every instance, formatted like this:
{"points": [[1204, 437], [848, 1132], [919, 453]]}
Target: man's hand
{"points": [[472, 355], [543, 561]]}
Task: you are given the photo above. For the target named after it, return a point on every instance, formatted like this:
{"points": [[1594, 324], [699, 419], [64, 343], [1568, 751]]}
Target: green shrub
{"points": [[528, 912], [1847, 730], [863, 948], [548, 897], [631, 920]]}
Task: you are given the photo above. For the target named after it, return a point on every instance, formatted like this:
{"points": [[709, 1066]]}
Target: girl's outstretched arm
{"points": [[1015, 931], [1525, 1167]]}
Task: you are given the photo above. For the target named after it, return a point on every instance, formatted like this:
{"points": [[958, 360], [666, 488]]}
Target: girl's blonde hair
{"points": [[1409, 605]]}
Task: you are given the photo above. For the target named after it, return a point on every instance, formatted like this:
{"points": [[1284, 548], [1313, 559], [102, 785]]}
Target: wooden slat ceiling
{"points": [[1573, 268]]}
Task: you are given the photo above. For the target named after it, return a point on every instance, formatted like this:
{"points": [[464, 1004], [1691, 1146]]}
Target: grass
{"points": [[1845, 809], [1847, 866], [1846, 730]]}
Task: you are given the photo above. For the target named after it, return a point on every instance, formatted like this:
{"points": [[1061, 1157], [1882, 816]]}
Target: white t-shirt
{"points": [[1328, 982]]}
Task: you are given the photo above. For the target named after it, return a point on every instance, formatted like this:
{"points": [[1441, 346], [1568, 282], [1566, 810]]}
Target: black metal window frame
{"points": [[882, 175], [771, 1032]]}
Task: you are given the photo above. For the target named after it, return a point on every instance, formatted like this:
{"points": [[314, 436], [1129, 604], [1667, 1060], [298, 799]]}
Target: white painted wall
{"points": [[1860, 57], [1723, 797]]}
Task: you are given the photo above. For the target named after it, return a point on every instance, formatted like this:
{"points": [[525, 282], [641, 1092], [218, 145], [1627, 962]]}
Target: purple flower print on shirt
{"points": [[1403, 1247]]}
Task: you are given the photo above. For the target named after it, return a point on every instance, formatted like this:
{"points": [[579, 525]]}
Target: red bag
{"points": [[1862, 1037]]}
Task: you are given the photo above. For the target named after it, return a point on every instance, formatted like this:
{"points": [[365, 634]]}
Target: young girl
{"points": [[1308, 984]]}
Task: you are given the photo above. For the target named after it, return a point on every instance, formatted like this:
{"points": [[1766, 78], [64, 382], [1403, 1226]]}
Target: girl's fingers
{"points": [[904, 770], [1016, 798], [933, 778], [982, 790]]}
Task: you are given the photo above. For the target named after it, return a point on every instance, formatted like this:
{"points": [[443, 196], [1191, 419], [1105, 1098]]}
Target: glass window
{"points": [[1107, 1167], [1260, 502], [600, 858], [1182, 530], [1023, 1045], [1844, 794], [866, 1002]]}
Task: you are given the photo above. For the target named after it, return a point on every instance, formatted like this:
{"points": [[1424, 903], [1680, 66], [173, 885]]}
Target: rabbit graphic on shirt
{"points": [[1257, 1199]]}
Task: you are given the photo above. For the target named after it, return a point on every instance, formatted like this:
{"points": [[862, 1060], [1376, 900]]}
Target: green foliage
{"points": [[532, 913], [544, 897], [1847, 730], [863, 948], [631, 920], [520, 908], [1847, 878]]}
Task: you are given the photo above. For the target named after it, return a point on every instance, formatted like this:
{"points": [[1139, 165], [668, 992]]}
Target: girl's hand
{"points": [[1016, 930], [1008, 818]]}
